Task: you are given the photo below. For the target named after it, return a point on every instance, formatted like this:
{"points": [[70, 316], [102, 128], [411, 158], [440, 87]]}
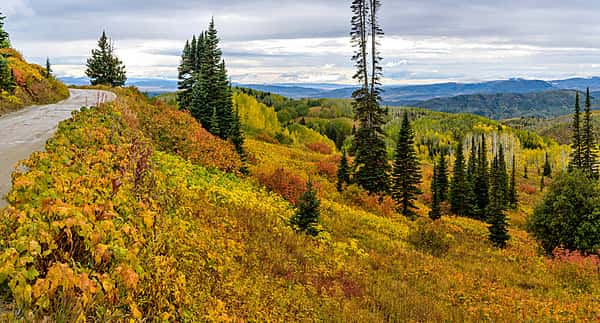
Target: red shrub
{"points": [[19, 79], [285, 183], [327, 168], [319, 147]]}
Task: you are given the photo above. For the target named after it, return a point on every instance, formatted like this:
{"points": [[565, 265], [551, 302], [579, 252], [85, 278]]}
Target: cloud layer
{"points": [[268, 41]]}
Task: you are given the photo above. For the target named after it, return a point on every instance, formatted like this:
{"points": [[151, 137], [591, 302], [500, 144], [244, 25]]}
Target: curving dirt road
{"points": [[27, 130]]}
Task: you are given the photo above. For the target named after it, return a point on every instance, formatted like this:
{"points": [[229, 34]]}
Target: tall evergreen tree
{"points": [[406, 174], [104, 67], [343, 173], [502, 177], [436, 211], [4, 39], [576, 155], [48, 68], [224, 103], [186, 76], [472, 164], [236, 135], [307, 216], [589, 155], [481, 185], [512, 195], [547, 171], [7, 82], [495, 211], [371, 164], [462, 200], [525, 172], [442, 177]]}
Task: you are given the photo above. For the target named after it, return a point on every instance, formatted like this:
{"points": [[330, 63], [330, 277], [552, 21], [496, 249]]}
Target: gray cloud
{"points": [[436, 39]]}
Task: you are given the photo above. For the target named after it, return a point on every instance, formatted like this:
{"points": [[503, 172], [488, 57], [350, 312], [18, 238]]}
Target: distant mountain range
{"points": [[494, 99]]}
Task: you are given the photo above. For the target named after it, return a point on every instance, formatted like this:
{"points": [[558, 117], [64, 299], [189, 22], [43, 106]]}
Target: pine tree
{"points": [[307, 216], [371, 164], [462, 200], [502, 177], [6, 78], [495, 211], [576, 155], [406, 174], [224, 103], [236, 135], [186, 76], [512, 195], [542, 184], [482, 184], [472, 164], [589, 155], [442, 177], [343, 173], [4, 39], [48, 68], [547, 172], [525, 172], [436, 211], [104, 67]]}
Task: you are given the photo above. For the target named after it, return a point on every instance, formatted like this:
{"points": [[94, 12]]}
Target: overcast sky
{"points": [[275, 41]]}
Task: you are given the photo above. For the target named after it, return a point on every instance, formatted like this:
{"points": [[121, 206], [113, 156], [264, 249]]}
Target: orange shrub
{"points": [[177, 132], [283, 182], [319, 147], [266, 138], [381, 205], [526, 188]]}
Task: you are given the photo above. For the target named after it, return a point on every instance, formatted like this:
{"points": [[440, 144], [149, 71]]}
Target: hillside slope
{"points": [[134, 212], [32, 86]]}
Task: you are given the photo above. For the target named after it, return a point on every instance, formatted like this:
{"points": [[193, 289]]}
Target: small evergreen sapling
{"points": [[343, 173], [307, 217]]}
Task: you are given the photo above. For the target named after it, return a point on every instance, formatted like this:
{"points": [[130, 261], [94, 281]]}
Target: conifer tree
{"points": [[236, 135], [224, 103], [576, 155], [104, 67], [436, 211], [406, 174], [308, 213], [186, 76], [6, 78], [495, 211], [472, 164], [502, 177], [513, 198], [4, 39], [525, 172], [589, 155], [442, 177], [343, 173], [48, 68], [481, 185], [542, 184], [461, 192], [371, 164], [547, 171]]}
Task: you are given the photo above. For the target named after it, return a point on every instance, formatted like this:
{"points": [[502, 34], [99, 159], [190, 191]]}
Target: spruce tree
{"points": [[186, 76], [48, 68], [7, 82], [236, 135], [442, 177], [406, 174], [512, 196], [481, 185], [589, 155], [343, 173], [498, 232], [547, 172], [473, 162], [576, 155], [502, 177], [308, 213], [104, 67], [462, 200], [525, 172], [542, 184], [371, 164], [4, 39], [224, 103], [436, 211]]}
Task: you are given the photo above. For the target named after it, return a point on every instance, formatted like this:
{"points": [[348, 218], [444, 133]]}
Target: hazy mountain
{"points": [[508, 105]]}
